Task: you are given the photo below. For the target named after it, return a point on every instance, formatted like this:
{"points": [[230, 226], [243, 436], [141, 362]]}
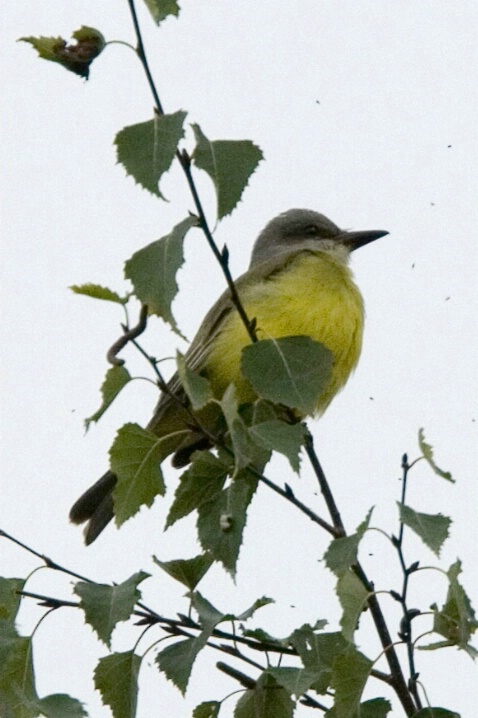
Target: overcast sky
{"points": [[366, 111]]}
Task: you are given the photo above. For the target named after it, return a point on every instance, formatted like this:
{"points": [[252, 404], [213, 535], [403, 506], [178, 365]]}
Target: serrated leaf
{"points": [[296, 681], [427, 451], [209, 616], [293, 370], [146, 150], [176, 661], [161, 9], [196, 387], [10, 597], [342, 552], [152, 271], [267, 700], [96, 291], [436, 713], [187, 571], [229, 164], [221, 521], [431, 528], [61, 705], [105, 606], [456, 621], [353, 599], [246, 452], [258, 603], [115, 380], [135, 458], [277, 435], [203, 480], [116, 677], [318, 652], [17, 678], [350, 673], [208, 709], [77, 57]]}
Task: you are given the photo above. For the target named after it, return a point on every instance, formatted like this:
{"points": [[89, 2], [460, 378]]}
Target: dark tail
{"points": [[95, 506]]}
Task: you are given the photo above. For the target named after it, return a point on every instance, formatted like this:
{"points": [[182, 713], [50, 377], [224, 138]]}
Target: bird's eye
{"points": [[312, 230]]}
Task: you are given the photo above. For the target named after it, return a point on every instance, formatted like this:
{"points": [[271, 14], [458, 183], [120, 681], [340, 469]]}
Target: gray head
{"points": [[306, 229]]}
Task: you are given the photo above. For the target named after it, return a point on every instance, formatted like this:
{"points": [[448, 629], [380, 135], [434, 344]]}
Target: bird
{"points": [[298, 283]]}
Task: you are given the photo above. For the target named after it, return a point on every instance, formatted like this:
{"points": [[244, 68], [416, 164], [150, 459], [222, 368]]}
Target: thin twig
{"points": [[48, 561], [185, 162], [408, 614], [324, 486], [49, 601], [397, 678], [127, 336]]}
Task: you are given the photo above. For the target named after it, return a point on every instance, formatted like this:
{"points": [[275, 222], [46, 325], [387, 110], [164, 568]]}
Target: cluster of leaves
{"points": [[310, 661], [219, 486]]}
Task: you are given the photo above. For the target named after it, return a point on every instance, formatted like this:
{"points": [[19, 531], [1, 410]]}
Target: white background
{"points": [[366, 111]]}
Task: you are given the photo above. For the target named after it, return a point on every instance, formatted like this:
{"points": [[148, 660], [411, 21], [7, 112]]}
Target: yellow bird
{"points": [[298, 283]]}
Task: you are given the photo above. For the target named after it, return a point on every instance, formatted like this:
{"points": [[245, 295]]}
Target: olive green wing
{"points": [[198, 353]]}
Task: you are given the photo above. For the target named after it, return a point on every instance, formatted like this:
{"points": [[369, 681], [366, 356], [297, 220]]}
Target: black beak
{"points": [[354, 240]]}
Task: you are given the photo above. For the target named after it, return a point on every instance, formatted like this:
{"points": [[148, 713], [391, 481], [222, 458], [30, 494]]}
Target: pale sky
{"points": [[365, 111]]}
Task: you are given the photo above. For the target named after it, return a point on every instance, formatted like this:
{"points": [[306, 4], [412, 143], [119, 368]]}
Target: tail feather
{"points": [[95, 506]]}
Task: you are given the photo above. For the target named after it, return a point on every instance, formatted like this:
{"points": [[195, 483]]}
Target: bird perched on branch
{"points": [[298, 284]]}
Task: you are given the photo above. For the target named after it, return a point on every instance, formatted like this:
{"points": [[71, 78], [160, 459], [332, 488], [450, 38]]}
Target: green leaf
{"points": [[187, 571], [342, 552], [432, 529], [350, 672], [260, 635], [296, 681], [221, 521], [17, 679], [208, 709], [353, 599], [96, 291], [153, 269], [196, 387], [293, 370], [176, 661], [146, 150], [209, 616], [116, 677], [258, 603], [116, 378], [135, 457], [267, 700], [161, 9], [318, 652], [61, 705], [456, 621], [10, 597], [229, 164], [202, 481], [436, 713], [375, 708], [105, 606], [75, 57], [427, 451], [246, 452], [277, 435]]}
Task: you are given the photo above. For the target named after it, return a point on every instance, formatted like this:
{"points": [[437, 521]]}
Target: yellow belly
{"points": [[315, 296]]}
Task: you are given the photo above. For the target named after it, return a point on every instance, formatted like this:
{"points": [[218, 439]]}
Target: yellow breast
{"points": [[315, 296]]}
